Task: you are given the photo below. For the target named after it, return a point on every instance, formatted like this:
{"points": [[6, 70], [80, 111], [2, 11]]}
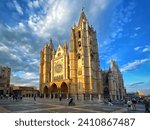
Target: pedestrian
{"points": [[147, 105], [70, 101], [129, 103], [34, 97], [134, 102], [110, 102]]}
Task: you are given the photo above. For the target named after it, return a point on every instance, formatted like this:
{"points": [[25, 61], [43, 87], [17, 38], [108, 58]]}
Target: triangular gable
{"points": [[60, 51]]}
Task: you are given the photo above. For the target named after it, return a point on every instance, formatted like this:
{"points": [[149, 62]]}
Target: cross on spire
{"points": [[82, 8]]}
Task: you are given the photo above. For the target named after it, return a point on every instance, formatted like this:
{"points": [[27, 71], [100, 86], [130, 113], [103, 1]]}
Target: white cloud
{"points": [[21, 26], [18, 7], [137, 28], [54, 18], [15, 57], [146, 49], [4, 48], [10, 52], [133, 65], [34, 4], [35, 62], [26, 75], [137, 48], [98, 5]]}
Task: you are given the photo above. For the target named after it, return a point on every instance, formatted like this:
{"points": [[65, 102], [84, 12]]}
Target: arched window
{"points": [[79, 43], [79, 34], [79, 56]]}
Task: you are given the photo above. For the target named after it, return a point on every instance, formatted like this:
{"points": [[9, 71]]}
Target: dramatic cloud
{"points": [[18, 7], [136, 84], [22, 40], [133, 65]]}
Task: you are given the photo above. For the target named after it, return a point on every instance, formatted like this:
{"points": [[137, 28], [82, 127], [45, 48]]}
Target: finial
{"points": [[82, 8], [50, 40]]}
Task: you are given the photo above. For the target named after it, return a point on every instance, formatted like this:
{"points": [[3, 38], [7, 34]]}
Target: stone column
{"points": [[44, 95], [99, 97], [91, 97], [76, 98]]}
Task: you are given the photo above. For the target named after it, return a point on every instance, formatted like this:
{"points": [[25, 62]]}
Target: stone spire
{"points": [[72, 41], [65, 45], [82, 17], [51, 43]]}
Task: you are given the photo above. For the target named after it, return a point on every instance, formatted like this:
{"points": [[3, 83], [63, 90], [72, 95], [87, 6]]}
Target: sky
{"points": [[122, 26]]}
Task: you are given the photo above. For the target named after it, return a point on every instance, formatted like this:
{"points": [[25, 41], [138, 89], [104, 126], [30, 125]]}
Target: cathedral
{"points": [[75, 71]]}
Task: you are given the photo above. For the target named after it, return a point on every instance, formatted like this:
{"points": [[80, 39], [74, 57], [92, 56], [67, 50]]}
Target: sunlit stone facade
{"points": [[75, 71]]}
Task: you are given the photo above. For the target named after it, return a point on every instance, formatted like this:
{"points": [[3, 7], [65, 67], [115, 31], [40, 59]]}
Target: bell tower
{"points": [[84, 59], [45, 65]]}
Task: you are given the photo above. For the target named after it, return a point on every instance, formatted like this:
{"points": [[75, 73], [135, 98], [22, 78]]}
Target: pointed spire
{"points": [[65, 45], [51, 43], [82, 17], [72, 40]]}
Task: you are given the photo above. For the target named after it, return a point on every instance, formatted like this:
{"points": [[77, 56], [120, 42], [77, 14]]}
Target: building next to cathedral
{"points": [[4, 80], [76, 72]]}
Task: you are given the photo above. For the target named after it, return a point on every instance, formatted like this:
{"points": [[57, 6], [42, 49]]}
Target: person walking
{"points": [[129, 103], [147, 105], [70, 101], [134, 102], [34, 97]]}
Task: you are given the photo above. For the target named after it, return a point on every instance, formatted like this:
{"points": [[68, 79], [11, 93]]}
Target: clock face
{"points": [[58, 68]]}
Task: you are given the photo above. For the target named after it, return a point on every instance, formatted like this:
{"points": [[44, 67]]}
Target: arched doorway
{"points": [[46, 93], [54, 91], [64, 90], [106, 93]]}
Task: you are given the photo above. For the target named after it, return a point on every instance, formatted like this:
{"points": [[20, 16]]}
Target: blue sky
{"points": [[122, 31]]}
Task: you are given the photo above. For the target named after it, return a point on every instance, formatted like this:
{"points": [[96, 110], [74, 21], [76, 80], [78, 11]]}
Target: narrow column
{"points": [[99, 97], [91, 97], [76, 98]]}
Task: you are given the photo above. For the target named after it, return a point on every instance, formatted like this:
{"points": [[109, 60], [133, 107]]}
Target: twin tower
{"points": [[76, 72]]}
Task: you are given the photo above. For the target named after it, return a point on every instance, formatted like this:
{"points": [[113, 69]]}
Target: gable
{"points": [[59, 51]]}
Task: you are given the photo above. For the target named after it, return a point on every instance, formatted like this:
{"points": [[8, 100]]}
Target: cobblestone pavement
{"points": [[28, 105]]}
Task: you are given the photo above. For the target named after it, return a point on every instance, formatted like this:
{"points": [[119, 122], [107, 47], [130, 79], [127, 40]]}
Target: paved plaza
{"points": [[28, 105]]}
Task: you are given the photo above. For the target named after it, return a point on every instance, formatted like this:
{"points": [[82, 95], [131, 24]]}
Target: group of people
{"points": [[132, 104]]}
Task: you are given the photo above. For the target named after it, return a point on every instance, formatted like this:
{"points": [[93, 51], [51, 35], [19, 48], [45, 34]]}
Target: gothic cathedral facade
{"points": [[77, 72]]}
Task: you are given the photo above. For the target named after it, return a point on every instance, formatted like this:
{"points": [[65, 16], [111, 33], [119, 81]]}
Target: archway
{"points": [[64, 90], [46, 93], [106, 93], [54, 91]]}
